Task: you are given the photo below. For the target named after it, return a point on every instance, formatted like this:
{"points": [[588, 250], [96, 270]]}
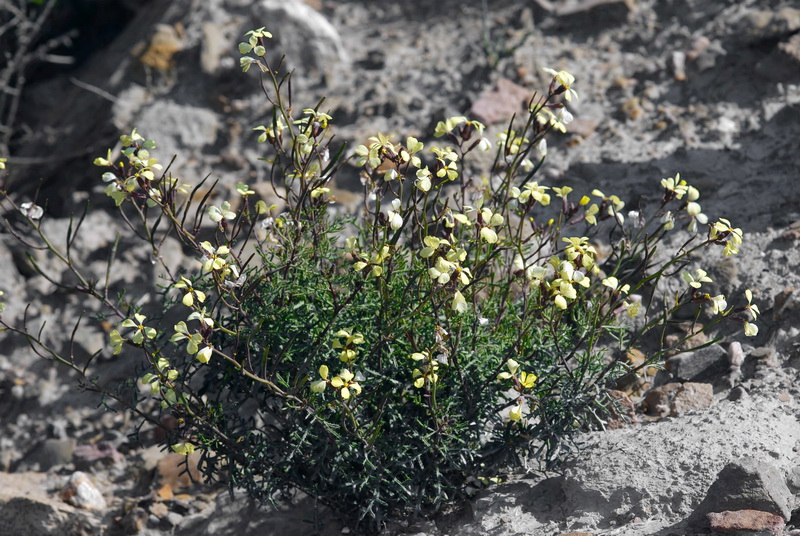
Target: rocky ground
{"points": [[709, 89]]}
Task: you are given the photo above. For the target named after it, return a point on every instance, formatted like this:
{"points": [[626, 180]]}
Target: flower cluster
{"points": [[254, 44], [346, 343], [139, 173], [216, 260], [141, 333], [445, 267], [374, 262], [381, 153], [346, 383], [427, 370], [522, 382], [197, 343], [724, 234]]}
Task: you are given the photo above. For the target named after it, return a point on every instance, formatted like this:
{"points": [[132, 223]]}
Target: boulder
{"points": [[746, 484], [26, 508], [700, 364]]}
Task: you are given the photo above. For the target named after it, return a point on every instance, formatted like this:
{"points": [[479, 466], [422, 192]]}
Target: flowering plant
{"points": [[381, 361]]}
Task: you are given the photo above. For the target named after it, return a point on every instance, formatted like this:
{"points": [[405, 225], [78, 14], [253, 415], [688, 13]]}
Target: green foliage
{"points": [[381, 361]]}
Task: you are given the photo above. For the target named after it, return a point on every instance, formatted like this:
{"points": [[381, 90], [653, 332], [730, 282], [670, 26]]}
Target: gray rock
{"points": [[769, 23], [177, 127], [21, 515], [307, 38], [519, 507], [699, 364], [50, 453], [26, 509], [98, 230], [793, 479], [174, 518], [82, 492], [738, 393], [243, 516], [745, 484]]}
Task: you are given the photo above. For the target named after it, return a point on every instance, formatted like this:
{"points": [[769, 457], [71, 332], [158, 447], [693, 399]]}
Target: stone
{"points": [[165, 492], [237, 514], [50, 453], [769, 23], [88, 455], [736, 354], [745, 484], [174, 518], [27, 509], [159, 509], [520, 506], [675, 399], [304, 35], [690, 397], [691, 333], [501, 102], [134, 521], [731, 522], [149, 458], [738, 393], [99, 230], [213, 47], [172, 470], [793, 479], [691, 366], [583, 128], [179, 128], [82, 493]]}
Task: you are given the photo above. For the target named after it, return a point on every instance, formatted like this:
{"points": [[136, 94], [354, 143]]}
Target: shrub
{"points": [[385, 360]]}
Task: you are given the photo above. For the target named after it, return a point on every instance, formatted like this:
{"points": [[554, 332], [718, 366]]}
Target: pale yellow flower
{"points": [[515, 413], [141, 332], [522, 379], [718, 304], [564, 81], [459, 304], [613, 284], [190, 292], [675, 187], [394, 216], [750, 330], [752, 307], [319, 385], [696, 281], [591, 214], [345, 384]]}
